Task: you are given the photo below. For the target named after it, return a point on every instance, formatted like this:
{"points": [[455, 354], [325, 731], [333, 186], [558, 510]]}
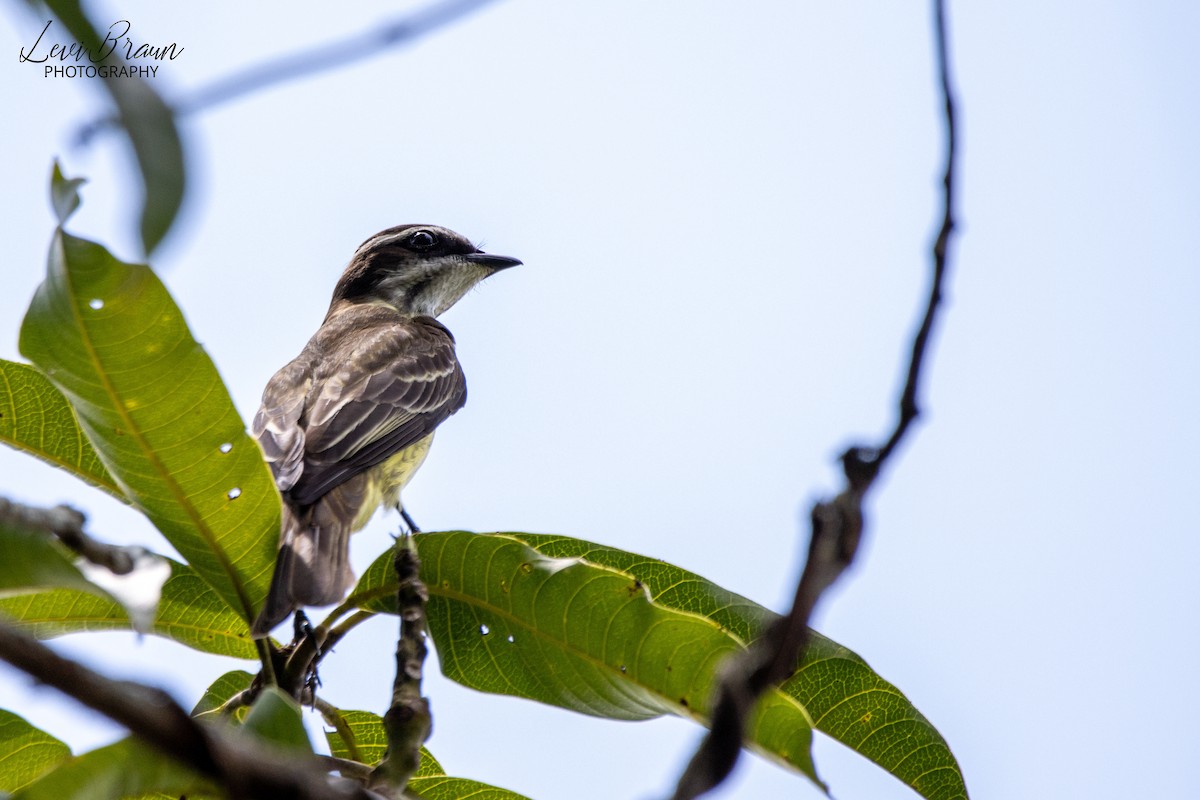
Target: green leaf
{"points": [[128, 768], [110, 338], [25, 752], [189, 612], [222, 690], [369, 742], [430, 767], [847, 700], [275, 717], [30, 560], [444, 787], [37, 419], [611, 633], [64, 194], [575, 634], [148, 122], [366, 741]]}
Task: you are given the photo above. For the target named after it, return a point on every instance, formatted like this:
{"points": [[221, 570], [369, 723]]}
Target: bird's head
{"points": [[417, 269]]}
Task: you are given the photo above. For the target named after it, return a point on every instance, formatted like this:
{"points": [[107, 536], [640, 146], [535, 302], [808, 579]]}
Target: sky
{"points": [[725, 221]]}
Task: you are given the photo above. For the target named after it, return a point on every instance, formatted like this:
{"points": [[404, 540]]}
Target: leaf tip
{"points": [[64, 194]]}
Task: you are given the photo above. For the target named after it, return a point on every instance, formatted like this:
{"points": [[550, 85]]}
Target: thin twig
{"points": [[243, 767], [837, 524], [319, 59], [909, 409], [349, 769], [339, 631], [243, 699], [66, 524], [334, 719], [295, 665]]}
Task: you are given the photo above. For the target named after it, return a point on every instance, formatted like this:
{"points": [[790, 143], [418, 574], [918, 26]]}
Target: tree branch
{"points": [[909, 410], [408, 721], [309, 62], [66, 524], [837, 524], [329, 637], [246, 768]]}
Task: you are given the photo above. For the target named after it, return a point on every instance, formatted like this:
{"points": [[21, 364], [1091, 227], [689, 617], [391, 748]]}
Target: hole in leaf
{"points": [[234, 493], [511, 639], [96, 303], [485, 630], [226, 447]]}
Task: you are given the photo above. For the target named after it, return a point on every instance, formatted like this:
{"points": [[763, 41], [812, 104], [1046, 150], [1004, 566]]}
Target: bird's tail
{"points": [[312, 567]]}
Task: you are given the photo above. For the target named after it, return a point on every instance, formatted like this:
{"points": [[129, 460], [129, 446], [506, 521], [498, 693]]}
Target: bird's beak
{"points": [[492, 262]]}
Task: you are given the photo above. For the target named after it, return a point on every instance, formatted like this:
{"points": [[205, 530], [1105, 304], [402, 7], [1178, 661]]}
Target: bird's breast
{"points": [[386, 479]]}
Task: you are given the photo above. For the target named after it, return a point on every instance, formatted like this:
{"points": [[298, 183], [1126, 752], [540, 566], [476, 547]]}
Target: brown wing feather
{"points": [[276, 425], [369, 384], [381, 383]]}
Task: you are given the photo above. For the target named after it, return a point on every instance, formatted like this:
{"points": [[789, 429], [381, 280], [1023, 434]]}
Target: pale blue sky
{"points": [[724, 216]]}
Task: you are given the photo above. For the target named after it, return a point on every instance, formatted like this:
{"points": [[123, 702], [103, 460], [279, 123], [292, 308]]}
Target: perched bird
{"points": [[346, 424]]}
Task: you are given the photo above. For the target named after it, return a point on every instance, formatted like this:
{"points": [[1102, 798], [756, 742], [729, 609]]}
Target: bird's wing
{"points": [[374, 393], [277, 423]]}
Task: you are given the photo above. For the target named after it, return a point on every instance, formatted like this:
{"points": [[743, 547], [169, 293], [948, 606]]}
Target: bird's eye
{"points": [[422, 240]]}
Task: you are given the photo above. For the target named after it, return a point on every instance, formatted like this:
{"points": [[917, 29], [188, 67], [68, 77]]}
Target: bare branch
{"points": [[66, 524], [909, 410], [349, 769], [837, 525], [326, 57], [330, 637], [244, 767]]}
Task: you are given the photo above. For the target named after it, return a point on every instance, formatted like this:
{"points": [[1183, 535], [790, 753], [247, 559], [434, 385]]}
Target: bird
{"points": [[346, 424]]}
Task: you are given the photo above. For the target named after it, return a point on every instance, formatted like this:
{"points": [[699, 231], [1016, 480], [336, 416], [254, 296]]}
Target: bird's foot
{"points": [[301, 627], [412, 526]]}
